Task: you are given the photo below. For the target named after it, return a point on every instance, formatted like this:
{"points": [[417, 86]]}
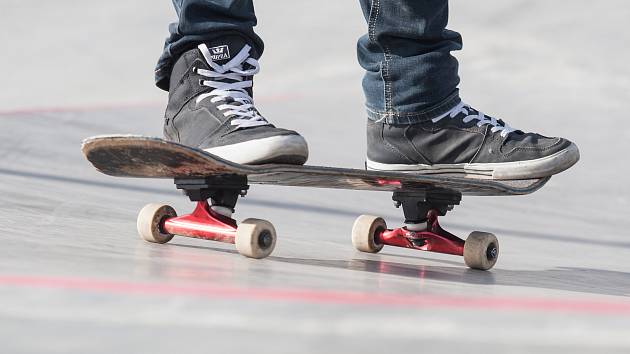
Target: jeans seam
{"points": [[374, 9], [384, 67], [387, 82]]}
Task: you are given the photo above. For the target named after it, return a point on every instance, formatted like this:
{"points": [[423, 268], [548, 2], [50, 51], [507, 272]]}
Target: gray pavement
{"points": [[75, 278]]}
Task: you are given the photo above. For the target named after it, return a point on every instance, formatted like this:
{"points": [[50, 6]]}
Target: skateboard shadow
{"points": [[582, 280]]}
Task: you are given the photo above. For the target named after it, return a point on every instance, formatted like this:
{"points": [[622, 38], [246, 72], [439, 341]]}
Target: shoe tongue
{"points": [[223, 49]]}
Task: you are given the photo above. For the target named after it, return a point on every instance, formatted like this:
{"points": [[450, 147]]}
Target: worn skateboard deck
{"points": [[147, 157]]}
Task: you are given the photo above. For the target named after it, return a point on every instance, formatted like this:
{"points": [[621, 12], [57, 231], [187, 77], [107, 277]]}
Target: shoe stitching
{"points": [[532, 148], [391, 147]]}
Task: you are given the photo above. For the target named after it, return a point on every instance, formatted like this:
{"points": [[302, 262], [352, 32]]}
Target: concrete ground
{"points": [[75, 278]]}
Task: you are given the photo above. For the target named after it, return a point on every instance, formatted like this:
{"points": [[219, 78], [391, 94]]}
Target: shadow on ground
{"points": [[582, 280], [293, 206], [594, 281]]}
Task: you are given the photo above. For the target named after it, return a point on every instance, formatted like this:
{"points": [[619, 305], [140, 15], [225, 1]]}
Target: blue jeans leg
{"points": [[205, 20], [410, 74]]}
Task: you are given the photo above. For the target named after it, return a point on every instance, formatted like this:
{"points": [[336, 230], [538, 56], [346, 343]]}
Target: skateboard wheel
{"points": [[364, 233], [481, 250], [150, 221], [255, 238]]}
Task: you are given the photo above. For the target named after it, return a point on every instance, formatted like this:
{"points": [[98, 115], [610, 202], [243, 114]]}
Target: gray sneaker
{"points": [[211, 107], [466, 142]]}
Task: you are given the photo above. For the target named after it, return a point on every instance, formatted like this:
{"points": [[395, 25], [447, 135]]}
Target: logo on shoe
{"points": [[221, 52]]}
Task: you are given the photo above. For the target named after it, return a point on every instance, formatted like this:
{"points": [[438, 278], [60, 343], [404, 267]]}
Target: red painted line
{"points": [[123, 105], [79, 109], [313, 296]]}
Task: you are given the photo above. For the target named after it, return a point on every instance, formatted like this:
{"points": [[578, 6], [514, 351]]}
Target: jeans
{"points": [[410, 74]]}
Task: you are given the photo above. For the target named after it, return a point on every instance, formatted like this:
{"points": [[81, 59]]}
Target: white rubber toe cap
{"points": [[285, 149]]}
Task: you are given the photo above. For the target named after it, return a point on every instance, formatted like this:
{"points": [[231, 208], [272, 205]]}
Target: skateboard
{"points": [[216, 185]]}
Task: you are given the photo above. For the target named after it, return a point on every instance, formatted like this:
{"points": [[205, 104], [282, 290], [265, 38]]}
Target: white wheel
{"points": [[255, 238], [481, 250], [149, 222], [364, 232]]}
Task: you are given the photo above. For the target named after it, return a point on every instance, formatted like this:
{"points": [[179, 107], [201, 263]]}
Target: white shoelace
{"points": [[482, 118], [246, 113]]}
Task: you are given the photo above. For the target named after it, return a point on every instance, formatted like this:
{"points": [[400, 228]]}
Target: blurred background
{"points": [[75, 278]]}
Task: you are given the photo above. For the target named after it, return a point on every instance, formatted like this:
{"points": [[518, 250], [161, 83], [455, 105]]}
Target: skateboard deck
{"points": [[139, 156], [216, 184]]}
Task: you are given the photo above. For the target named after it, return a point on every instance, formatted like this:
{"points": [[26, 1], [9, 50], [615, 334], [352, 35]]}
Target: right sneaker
{"points": [[468, 143], [210, 107]]}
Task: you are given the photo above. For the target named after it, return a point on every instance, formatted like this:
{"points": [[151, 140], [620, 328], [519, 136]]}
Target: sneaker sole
{"points": [[537, 168], [281, 149]]}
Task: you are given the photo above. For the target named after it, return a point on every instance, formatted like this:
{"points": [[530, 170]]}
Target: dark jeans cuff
{"points": [[393, 117], [172, 52]]}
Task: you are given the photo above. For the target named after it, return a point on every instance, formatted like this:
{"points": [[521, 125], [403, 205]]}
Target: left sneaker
{"points": [[211, 107], [466, 142]]}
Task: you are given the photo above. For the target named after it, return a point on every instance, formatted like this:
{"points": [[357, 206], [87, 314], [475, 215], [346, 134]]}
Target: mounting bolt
{"points": [[243, 193], [397, 204]]}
